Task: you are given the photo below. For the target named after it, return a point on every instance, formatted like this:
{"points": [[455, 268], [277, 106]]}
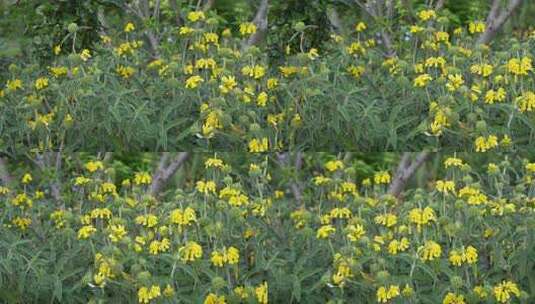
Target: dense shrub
{"points": [[206, 90], [236, 234]]}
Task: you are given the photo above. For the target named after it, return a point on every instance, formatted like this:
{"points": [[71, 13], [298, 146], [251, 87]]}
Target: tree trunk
{"points": [[165, 171], [496, 19], [406, 169], [261, 22], [4, 172]]}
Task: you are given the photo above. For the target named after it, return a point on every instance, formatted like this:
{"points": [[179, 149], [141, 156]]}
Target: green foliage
{"points": [[278, 238]]}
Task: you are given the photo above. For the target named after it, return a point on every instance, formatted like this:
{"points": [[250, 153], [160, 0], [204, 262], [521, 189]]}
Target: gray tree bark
{"points": [[496, 19], [5, 176], [261, 22], [166, 170], [406, 169]]}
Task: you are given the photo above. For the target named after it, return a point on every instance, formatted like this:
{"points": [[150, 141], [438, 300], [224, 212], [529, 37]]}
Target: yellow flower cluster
{"points": [[504, 290], [430, 251], [190, 252], [386, 294], [467, 255], [229, 255], [146, 295]]}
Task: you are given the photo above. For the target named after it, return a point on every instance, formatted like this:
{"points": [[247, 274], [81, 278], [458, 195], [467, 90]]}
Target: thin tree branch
{"points": [[261, 22], [406, 169], [440, 4], [5, 176], [208, 5], [496, 20], [165, 171], [335, 20], [176, 10]]}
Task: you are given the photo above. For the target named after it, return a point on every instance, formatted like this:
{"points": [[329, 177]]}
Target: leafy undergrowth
{"points": [[235, 234], [206, 91]]}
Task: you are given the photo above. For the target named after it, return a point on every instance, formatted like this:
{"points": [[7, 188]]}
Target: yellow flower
{"points": [[325, 231], [185, 30], [381, 177], [155, 247], [445, 186], [388, 220], [145, 295], [196, 16], [356, 71], [22, 199], [495, 96], [355, 48], [233, 255], [253, 71], [169, 291], [214, 299], [102, 213], [484, 144], [213, 162], [361, 26], [476, 27], [503, 291], [117, 233], [206, 187], [247, 28], [442, 36], [56, 50], [58, 71], [530, 167], [470, 255], [422, 217], [481, 69], [190, 252], [193, 81], [228, 83], [149, 220], [454, 82], [416, 29], [105, 39], [14, 84], [385, 294], [422, 80], [41, 83], [262, 99], [85, 55], [520, 66], [425, 15], [86, 231], [125, 71], [27, 178], [262, 293], [430, 251], [129, 27], [396, 246], [22, 222], [141, 178], [183, 218], [258, 145], [355, 232], [272, 83], [334, 165], [218, 258], [453, 162], [452, 298], [313, 54], [526, 102], [455, 258]]}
